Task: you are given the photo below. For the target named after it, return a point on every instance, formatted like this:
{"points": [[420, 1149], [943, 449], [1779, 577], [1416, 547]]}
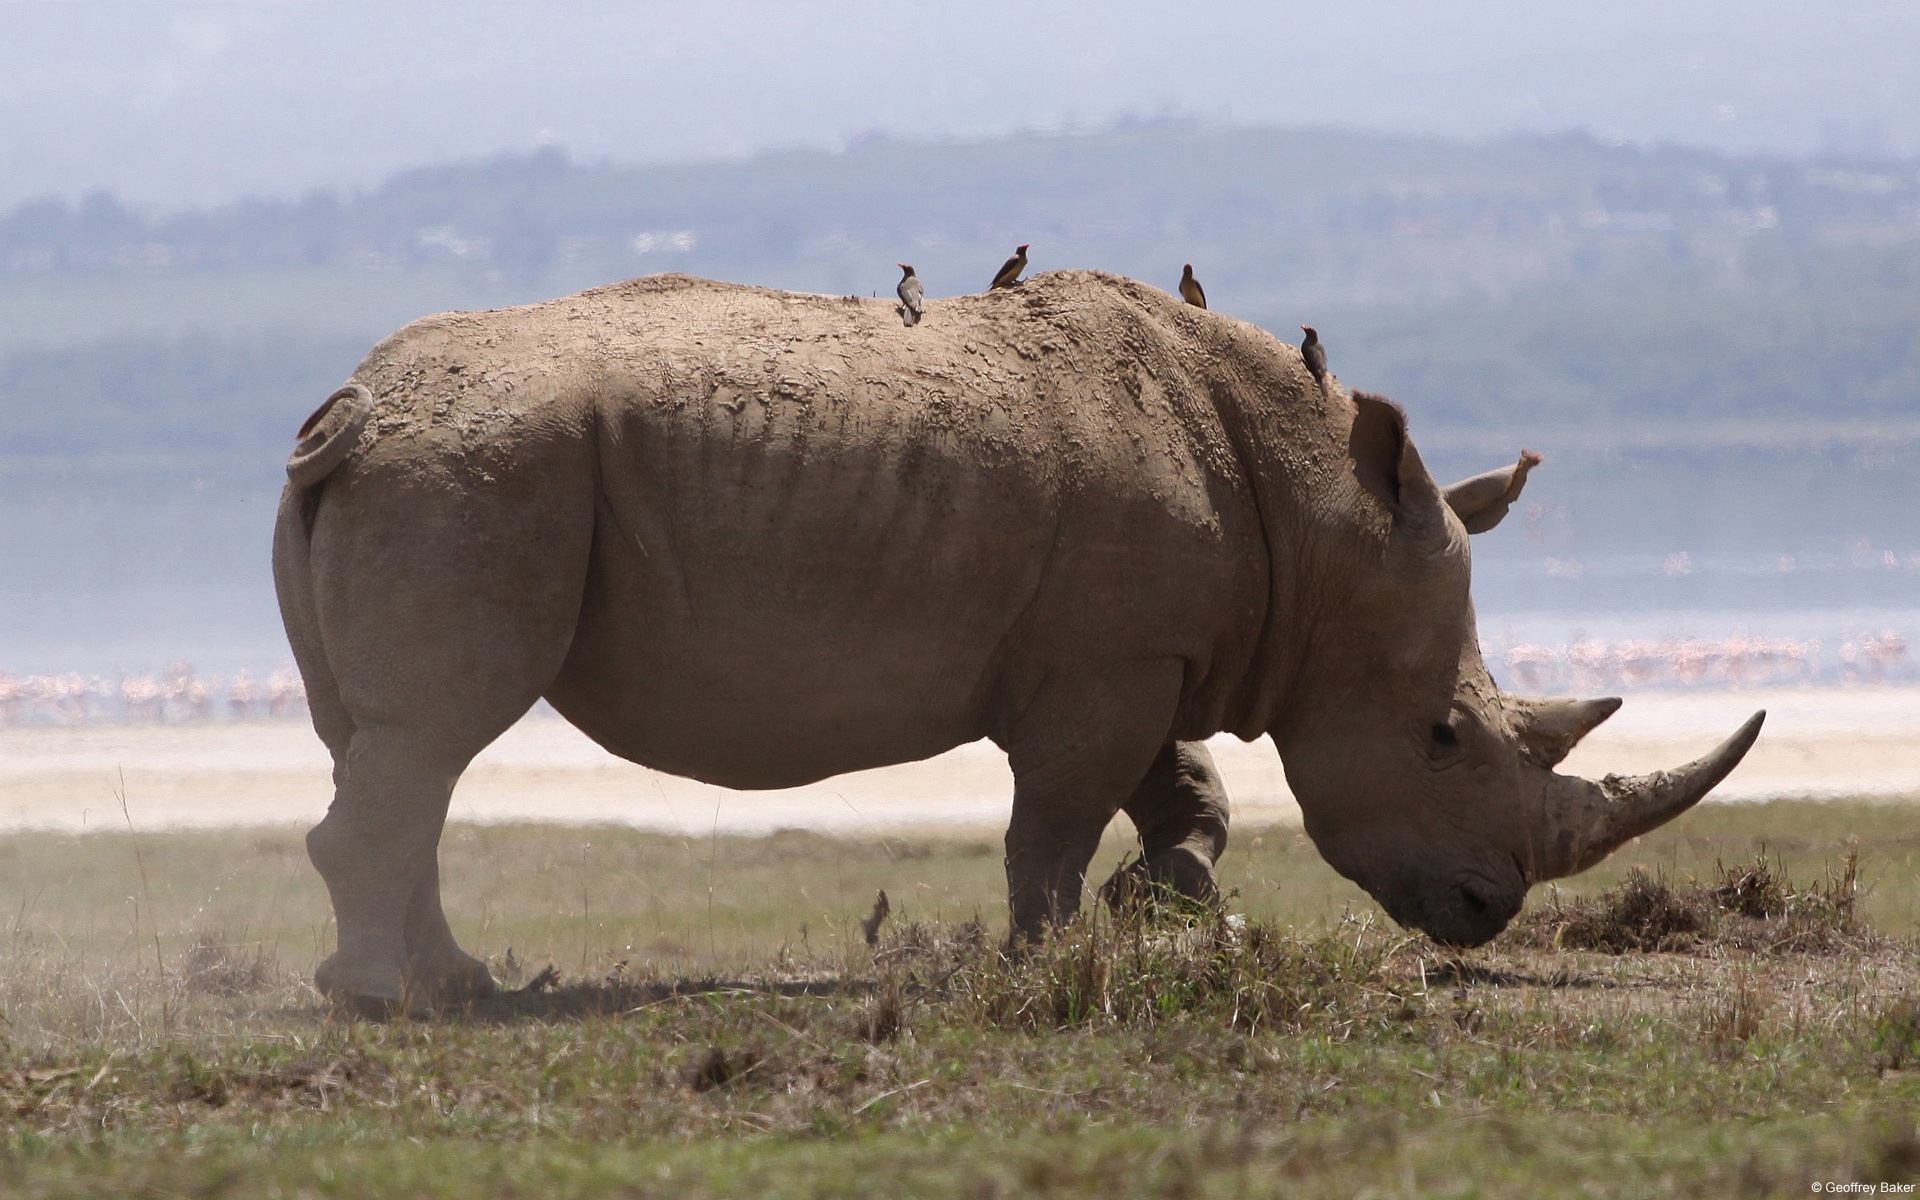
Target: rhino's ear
{"points": [[1387, 465], [1482, 501], [1376, 442]]}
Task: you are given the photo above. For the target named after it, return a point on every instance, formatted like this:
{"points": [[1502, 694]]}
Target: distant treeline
{"points": [[1528, 288], [199, 395], [1268, 216], [1800, 350], [1552, 364]]}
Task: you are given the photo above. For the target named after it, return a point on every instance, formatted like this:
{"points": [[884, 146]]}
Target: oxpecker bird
{"points": [[1010, 270], [912, 298], [1315, 356], [1190, 289]]}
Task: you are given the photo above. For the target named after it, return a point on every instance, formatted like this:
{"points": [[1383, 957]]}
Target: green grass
{"points": [[722, 1029]]}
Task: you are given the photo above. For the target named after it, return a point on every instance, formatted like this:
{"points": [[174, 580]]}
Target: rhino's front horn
{"points": [[1586, 821]]}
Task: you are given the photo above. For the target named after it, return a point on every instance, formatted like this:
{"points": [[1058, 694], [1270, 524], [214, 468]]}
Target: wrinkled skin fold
{"points": [[758, 538]]}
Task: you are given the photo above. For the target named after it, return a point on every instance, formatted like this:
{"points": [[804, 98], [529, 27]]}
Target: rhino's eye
{"points": [[1444, 747]]}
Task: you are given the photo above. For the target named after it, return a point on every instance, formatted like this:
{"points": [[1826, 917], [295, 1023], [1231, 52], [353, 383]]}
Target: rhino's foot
{"points": [[452, 979], [383, 991], [1179, 874], [363, 987]]}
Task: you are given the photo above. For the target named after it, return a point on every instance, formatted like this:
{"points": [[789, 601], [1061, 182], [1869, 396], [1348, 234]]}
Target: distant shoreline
{"points": [[1819, 742]]}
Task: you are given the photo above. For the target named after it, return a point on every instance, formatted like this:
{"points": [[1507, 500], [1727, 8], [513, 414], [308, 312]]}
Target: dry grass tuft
{"points": [[1130, 970], [1750, 906], [214, 966], [1735, 1015], [883, 1018], [1768, 912], [1756, 890], [931, 950], [1640, 913]]}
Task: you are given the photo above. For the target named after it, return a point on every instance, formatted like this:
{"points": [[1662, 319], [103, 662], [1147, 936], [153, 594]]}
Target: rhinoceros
{"points": [[759, 538]]}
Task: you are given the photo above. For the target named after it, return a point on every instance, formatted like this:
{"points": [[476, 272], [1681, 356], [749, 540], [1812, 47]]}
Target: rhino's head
{"points": [[1418, 778]]}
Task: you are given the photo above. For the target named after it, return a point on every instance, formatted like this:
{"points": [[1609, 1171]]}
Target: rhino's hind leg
{"points": [[436, 965], [1180, 811], [378, 851], [1080, 750], [439, 615]]}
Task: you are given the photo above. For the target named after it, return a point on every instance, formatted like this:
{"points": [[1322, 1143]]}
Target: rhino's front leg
{"points": [[1180, 810], [1078, 752]]}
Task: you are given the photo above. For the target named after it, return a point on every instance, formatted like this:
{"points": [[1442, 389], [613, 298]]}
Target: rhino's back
{"points": [[823, 529], [1011, 368]]}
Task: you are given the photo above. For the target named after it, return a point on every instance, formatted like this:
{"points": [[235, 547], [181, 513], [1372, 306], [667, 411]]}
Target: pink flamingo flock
{"points": [[178, 695], [1590, 665], [175, 695]]}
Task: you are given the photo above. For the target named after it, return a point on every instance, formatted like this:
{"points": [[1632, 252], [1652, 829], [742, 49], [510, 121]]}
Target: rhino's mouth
{"points": [[1484, 909], [1469, 915], [1468, 910]]}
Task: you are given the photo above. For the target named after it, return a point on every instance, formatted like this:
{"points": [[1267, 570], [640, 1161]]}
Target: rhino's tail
{"points": [[329, 435], [326, 439]]}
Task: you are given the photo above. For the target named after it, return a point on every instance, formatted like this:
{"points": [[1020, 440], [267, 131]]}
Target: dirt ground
{"points": [[1818, 743]]}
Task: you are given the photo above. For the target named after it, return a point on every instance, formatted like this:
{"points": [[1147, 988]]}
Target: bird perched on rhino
{"points": [[1009, 273], [912, 297], [1190, 289], [1314, 355]]}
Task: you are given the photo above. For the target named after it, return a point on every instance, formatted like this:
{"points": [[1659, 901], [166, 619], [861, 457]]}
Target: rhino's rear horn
{"points": [[1548, 730]]}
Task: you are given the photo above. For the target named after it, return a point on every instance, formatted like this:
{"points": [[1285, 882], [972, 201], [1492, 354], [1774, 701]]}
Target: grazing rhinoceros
{"points": [[758, 539]]}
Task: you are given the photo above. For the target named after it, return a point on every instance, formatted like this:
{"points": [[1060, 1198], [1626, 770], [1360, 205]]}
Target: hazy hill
{"points": [[1718, 353], [1274, 217], [1560, 282]]}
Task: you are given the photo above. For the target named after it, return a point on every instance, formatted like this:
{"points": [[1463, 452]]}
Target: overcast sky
{"points": [[193, 102]]}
